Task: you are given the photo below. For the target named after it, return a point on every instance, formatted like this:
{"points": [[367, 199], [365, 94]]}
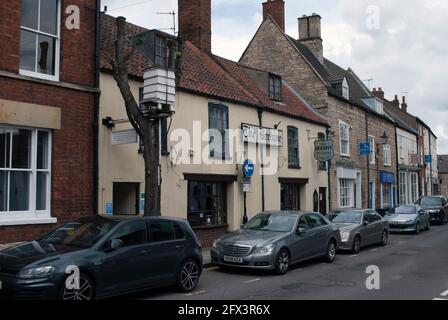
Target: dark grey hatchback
{"points": [[99, 257]]}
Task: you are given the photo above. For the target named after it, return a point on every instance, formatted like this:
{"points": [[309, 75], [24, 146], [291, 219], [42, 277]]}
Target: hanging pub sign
{"points": [[323, 150]]}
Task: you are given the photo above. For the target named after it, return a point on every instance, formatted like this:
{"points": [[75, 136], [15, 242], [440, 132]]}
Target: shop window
{"points": [[24, 173], [293, 148], [207, 203], [290, 197], [39, 38]]}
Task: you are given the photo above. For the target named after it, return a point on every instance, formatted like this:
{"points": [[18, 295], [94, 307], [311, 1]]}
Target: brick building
{"points": [[443, 174], [355, 114], [47, 114]]}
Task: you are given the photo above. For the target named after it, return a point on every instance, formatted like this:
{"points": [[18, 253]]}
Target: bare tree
{"points": [[146, 125]]}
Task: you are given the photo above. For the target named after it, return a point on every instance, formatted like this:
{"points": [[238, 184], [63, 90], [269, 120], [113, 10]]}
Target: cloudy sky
{"points": [[400, 44]]}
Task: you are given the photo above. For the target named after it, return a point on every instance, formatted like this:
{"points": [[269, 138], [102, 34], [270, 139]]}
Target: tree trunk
{"points": [[152, 169]]}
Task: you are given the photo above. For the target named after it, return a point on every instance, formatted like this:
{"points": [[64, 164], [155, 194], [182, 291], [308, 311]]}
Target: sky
{"points": [[398, 45]]}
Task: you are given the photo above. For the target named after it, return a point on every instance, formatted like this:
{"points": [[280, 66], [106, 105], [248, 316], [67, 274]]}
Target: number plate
{"points": [[233, 259]]}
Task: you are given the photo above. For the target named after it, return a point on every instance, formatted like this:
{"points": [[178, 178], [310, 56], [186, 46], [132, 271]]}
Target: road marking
{"points": [[251, 281], [196, 293], [439, 299], [445, 294]]}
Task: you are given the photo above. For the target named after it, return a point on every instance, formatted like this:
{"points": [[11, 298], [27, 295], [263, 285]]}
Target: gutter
{"points": [[96, 108]]}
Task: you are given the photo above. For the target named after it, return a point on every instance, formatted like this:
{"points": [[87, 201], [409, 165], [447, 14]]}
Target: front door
{"points": [[323, 201], [290, 197]]}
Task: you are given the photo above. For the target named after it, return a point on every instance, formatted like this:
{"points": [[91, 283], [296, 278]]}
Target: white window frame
{"points": [[387, 155], [372, 150], [345, 89], [346, 192], [57, 57], [404, 188], [344, 124], [32, 216]]}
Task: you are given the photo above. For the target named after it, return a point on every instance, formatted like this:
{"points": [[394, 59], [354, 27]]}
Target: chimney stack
{"points": [[310, 34], [195, 23], [404, 105], [276, 9], [378, 93], [396, 102]]}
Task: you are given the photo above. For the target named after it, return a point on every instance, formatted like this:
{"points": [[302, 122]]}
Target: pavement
{"points": [[412, 267]]}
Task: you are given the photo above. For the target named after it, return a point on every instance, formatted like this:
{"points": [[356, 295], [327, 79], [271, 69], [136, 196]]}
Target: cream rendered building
{"points": [[213, 93]]}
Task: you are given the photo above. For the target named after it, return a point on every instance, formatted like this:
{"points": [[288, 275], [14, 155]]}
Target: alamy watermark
{"points": [[373, 281]]}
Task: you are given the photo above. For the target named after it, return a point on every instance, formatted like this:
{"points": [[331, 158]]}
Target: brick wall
{"points": [[444, 185], [195, 23], [72, 150], [208, 236]]}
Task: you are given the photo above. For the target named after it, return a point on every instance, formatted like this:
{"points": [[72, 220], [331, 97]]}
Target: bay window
{"points": [[39, 39], [25, 174]]}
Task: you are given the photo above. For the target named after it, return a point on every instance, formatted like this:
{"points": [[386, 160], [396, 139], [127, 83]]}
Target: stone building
{"points": [[443, 174], [355, 114]]}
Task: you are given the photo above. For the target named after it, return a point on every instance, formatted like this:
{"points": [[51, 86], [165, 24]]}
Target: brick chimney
{"points": [[396, 102], [404, 105], [195, 23], [276, 9], [310, 34], [378, 93]]}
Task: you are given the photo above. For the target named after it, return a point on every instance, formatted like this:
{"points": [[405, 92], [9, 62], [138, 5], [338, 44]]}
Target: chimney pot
{"points": [[275, 9], [310, 34]]}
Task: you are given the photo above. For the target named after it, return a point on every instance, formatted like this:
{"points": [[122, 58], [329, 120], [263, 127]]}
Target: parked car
{"points": [[436, 206], [408, 218], [276, 240], [360, 228], [112, 256]]}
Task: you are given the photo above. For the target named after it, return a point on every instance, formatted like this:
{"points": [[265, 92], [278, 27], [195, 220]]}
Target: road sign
{"points": [[428, 158], [364, 148], [323, 150], [248, 168], [246, 184]]}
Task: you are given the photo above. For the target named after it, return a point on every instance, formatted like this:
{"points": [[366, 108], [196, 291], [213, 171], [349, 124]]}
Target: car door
{"points": [[369, 229], [424, 216], [125, 268], [301, 247], [445, 208], [167, 250], [321, 234]]}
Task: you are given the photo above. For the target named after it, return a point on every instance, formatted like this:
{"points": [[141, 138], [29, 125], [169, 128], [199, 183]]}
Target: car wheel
{"points": [[331, 251], [282, 262], [356, 245], [428, 225], [188, 276], [85, 292], [385, 238]]}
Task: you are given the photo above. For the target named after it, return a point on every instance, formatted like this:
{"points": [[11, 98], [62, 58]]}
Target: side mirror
{"points": [[366, 223], [300, 231], [115, 244]]}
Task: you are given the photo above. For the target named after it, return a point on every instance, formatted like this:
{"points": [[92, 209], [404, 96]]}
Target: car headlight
{"points": [[216, 244], [345, 235], [36, 273], [265, 250]]}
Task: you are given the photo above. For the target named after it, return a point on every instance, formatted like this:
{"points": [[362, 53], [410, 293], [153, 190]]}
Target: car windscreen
{"points": [[405, 210], [272, 222], [348, 217], [79, 234], [431, 202]]}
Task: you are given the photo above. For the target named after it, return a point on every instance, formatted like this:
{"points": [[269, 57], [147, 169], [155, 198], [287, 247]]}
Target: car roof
{"points": [[118, 219], [289, 213], [349, 209]]}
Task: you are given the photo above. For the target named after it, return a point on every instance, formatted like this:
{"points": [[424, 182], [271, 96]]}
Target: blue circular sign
{"points": [[248, 168]]}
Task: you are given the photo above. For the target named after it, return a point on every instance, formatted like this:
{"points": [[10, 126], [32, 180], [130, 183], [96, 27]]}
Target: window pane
{"points": [[42, 150], [132, 233], [49, 16], [41, 191], [5, 140], [46, 55], [30, 12], [3, 191], [161, 231], [27, 50], [21, 149], [19, 191]]}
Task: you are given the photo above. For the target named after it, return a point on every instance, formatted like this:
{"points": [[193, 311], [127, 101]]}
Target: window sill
{"points": [[345, 156], [23, 222]]}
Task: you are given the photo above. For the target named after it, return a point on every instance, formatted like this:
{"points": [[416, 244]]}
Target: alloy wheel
{"points": [[357, 245], [283, 261], [331, 254], [385, 238], [83, 293], [189, 276]]}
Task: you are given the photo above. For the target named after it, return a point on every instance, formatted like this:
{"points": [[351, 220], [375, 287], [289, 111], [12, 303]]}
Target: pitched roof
{"points": [[209, 75], [403, 120], [442, 163]]}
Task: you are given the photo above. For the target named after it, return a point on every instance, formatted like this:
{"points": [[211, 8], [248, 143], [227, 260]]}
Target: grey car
{"points": [[276, 240], [360, 228], [408, 218]]}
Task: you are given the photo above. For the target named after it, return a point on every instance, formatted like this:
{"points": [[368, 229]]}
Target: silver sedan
{"points": [[360, 228], [275, 240]]}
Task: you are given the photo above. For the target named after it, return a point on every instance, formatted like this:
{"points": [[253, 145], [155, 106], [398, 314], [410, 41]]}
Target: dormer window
{"points": [[345, 89], [164, 50], [275, 87]]}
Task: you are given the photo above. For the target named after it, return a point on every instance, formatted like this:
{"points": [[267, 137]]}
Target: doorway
{"points": [[290, 197], [126, 198], [323, 201]]}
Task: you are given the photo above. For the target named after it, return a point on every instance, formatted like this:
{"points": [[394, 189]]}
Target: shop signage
{"points": [[428, 158], [248, 168], [364, 148], [260, 135], [323, 150], [387, 177], [124, 137]]}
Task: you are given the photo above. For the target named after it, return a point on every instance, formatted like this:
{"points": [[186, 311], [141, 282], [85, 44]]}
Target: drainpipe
{"points": [[96, 108], [398, 168], [368, 164], [260, 123], [430, 165], [330, 207]]}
